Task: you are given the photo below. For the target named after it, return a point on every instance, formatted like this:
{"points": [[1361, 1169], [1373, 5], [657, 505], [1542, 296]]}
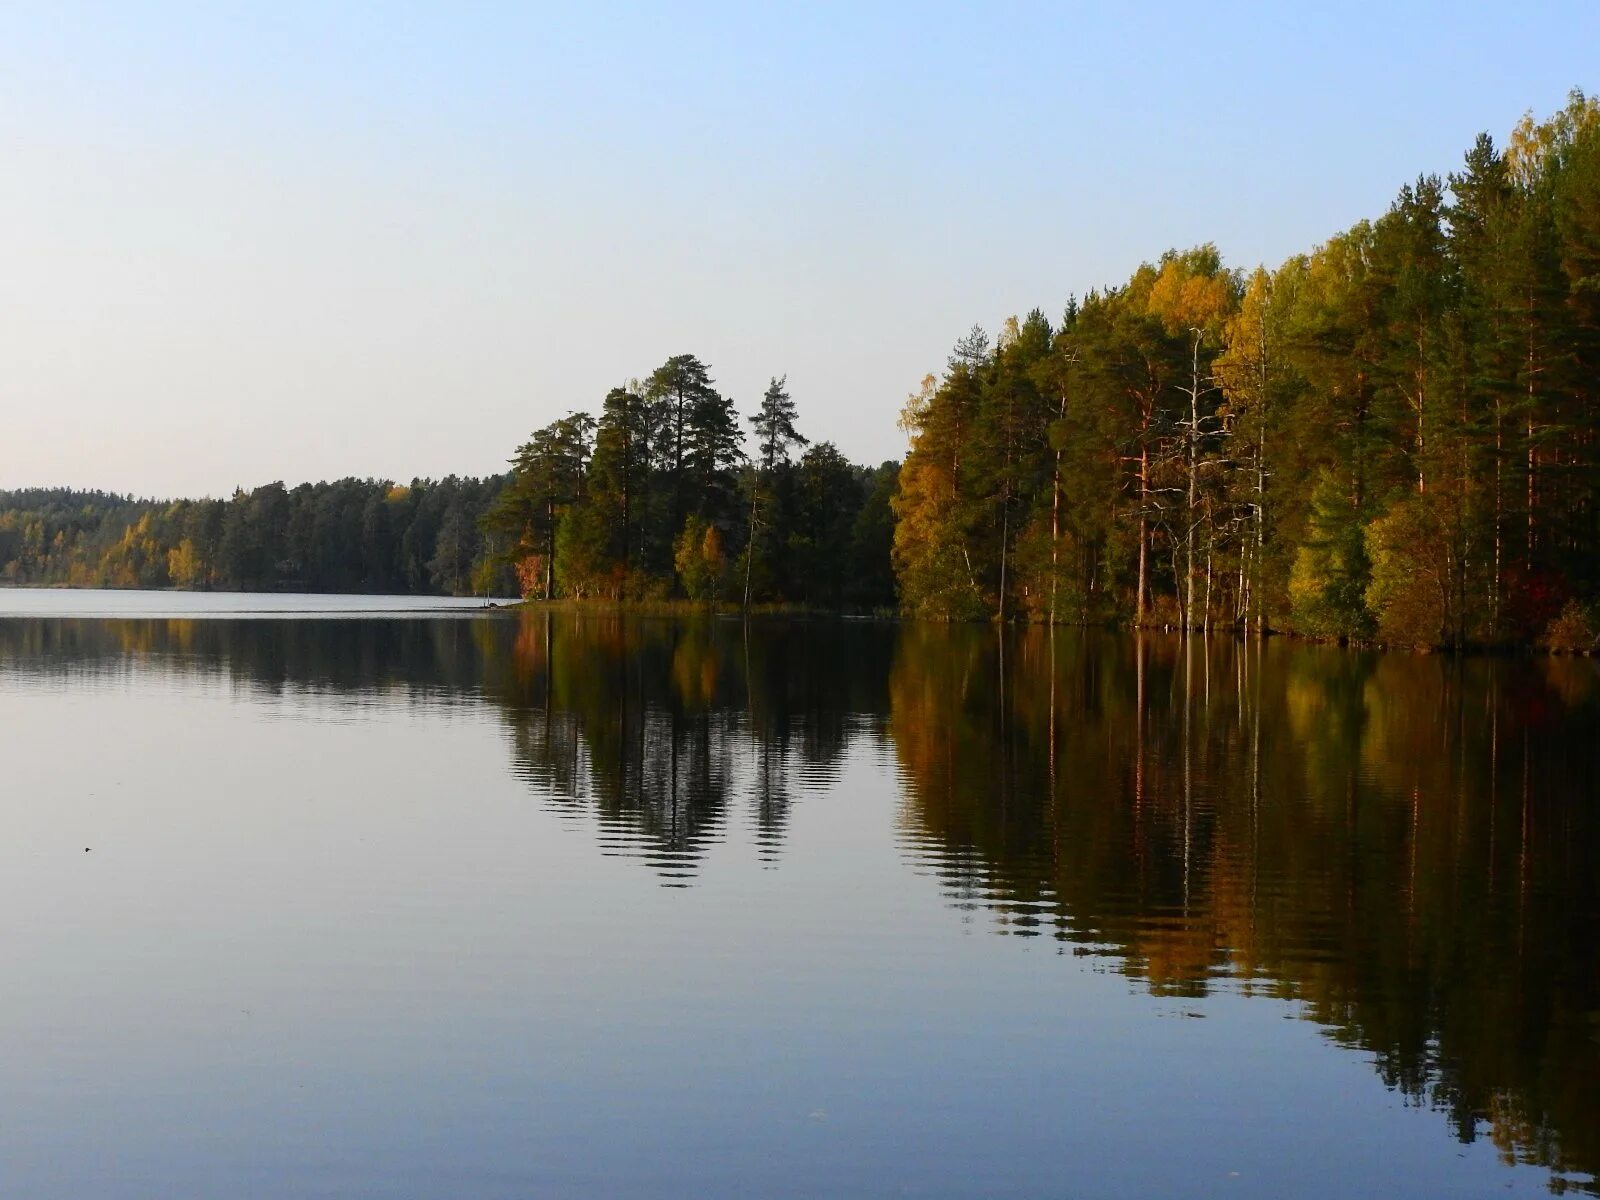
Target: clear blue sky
{"points": [[248, 242]]}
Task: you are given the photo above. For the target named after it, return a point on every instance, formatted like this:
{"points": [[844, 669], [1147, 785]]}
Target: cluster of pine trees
{"points": [[658, 497], [1391, 437], [352, 535]]}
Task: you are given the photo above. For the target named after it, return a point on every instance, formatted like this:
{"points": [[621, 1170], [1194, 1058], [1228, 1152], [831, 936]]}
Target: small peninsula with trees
{"points": [[1393, 437]]}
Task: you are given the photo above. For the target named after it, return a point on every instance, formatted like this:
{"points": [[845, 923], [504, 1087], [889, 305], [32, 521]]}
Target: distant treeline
{"points": [[1391, 437], [354, 535]]}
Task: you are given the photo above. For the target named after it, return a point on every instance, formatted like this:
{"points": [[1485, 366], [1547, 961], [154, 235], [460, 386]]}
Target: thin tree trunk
{"points": [[1055, 515], [1194, 476], [1055, 534], [1005, 539], [750, 545], [1261, 486], [1140, 602], [550, 558], [1241, 602]]}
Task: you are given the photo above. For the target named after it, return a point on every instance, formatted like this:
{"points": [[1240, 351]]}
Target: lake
{"points": [[511, 904]]}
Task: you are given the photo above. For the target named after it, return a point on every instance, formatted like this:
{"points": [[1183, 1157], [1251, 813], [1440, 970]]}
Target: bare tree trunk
{"points": [[1055, 514], [1005, 535], [1261, 490], [1532, 373], [1055, 535], [1141, 602], [1241, 602], [1532, 489], [1005, 541], [1194, 480], [550, 558], [750, 545]]}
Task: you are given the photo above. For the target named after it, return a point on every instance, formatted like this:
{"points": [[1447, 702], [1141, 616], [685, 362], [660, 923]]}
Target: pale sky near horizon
{"points": [[247, 242]]}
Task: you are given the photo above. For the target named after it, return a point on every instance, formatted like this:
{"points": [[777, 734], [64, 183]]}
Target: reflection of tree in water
{"points": [[803, 693], [1401, 844], [653, 727], [656, 725], [632, 720], [426, 660]]}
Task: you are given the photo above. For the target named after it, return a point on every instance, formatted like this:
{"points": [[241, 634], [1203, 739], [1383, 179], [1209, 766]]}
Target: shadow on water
{"points": [[1404, 846]]}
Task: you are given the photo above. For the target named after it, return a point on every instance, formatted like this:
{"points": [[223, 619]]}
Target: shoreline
{"points": [[697, 610]]}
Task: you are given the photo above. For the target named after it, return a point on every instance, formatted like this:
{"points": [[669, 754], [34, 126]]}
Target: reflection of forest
{"points": [[1402, 844], [657, 724], [653, 727]]}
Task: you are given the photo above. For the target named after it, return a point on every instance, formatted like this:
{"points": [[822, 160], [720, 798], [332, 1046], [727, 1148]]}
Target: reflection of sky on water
{"points": [[326, 942]]}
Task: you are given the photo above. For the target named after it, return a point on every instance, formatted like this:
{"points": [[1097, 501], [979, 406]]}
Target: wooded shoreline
{"points": [[1392, 439]]}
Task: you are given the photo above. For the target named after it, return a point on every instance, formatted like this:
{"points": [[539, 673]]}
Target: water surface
{"points": [[534, 906], [130, 602]]}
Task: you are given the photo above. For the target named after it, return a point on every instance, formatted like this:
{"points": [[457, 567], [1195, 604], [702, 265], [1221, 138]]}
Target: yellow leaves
{"points": [[921, 507], [1241, 365], [1192, 291], [1532, 142], [914, 412], [1412, 590], [711, 549], [1525, 149], [1010, 332], [183, 565], [530, 573], [929, 559], [699, 557]]}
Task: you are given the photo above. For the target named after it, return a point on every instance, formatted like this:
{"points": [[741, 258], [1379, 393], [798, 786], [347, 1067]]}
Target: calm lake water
{"points": [[92, 602], [523, 906]]}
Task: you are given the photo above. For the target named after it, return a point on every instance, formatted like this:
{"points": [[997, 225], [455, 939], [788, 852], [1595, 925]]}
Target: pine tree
{"points": [[775, 431]]}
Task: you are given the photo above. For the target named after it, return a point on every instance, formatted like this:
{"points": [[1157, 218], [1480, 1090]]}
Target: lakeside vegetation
{"points": [[1392, 437]]}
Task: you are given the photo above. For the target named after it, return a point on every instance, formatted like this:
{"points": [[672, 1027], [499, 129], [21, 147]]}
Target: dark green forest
{"points": [[659, 497], [1389, 438]]}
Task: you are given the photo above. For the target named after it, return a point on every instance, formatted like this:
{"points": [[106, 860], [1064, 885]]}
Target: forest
{"points": [[1390, 438], [352, 535], [656, 500]]}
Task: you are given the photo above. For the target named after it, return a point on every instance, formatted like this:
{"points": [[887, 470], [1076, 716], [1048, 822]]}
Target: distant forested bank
{"points": [[354, 535], [1394, 437]]}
